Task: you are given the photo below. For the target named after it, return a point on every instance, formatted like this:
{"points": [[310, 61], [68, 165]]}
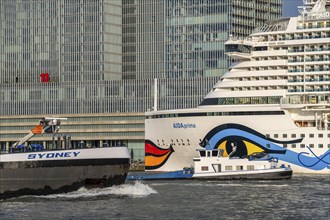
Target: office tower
{"points": [[184, 39]]}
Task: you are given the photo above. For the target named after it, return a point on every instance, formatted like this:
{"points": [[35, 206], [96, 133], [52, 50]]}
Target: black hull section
{"points": [[26, 178], [286, 174]]}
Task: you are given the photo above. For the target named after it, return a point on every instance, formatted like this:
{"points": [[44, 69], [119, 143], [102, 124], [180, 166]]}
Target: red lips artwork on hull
{"points": [[155, 156]]}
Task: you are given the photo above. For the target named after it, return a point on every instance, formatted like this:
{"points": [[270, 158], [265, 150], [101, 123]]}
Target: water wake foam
{"points": [[137, 189]]}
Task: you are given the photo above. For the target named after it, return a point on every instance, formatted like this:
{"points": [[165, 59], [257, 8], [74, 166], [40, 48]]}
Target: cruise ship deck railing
{"points": [[319, 99], [310, 50], [311, 27], [308, 60]]}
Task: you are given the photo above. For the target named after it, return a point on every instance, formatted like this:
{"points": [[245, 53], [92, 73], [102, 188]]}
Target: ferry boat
{"points": [[275, 99], [32, 170], [211, 165]]}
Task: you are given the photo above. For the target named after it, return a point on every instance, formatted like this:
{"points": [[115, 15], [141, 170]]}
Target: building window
{"points": [[302, 145], [302, 135], [293, 146], [311, 135], [285, 145], [285, 135], [275, 135], [320, 145], [293, 135], [320, 135], [311, 145], [228, 168]]}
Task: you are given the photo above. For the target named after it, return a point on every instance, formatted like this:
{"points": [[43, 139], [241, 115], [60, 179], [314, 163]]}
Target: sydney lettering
{"points": [[53, 155]]}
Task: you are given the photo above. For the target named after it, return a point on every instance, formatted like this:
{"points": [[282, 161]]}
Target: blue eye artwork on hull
{"points": [[248, 141]]}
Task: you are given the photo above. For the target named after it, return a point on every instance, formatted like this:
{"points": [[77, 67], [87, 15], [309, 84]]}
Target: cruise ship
{"points": [[274, 99]]}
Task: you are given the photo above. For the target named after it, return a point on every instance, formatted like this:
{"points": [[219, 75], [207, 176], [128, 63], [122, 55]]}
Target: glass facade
{"points": [[100, 96], [71, 40], [28, 40], [184, 39], [195, 36]]}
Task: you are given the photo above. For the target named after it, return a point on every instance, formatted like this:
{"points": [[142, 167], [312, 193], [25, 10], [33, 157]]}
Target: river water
{"points": [[302, 197]]}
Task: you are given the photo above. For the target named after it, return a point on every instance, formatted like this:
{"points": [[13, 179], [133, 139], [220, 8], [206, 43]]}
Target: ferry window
{"points": [[204, 168], [239, 167], [320, 135], [285, 135], [214, 153], [328, 145], [293, 135], [228, 168], [275, 135], [320, 145], [293, 146], [202, 153], [328, 135], [302, 135], [250, 167], [302, 145], [311, 135], [311, 145]]}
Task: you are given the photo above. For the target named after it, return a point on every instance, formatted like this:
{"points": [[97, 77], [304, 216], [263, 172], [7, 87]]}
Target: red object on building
{"points": [[44, 77]]}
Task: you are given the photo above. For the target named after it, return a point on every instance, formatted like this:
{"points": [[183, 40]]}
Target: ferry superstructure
{"points": [[275, 99]]}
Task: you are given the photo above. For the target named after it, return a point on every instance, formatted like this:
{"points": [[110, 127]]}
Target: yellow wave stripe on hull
{"points": [[252, 148]]}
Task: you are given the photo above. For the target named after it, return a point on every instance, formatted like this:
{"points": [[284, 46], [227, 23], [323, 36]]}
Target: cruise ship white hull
{"points": [[175, 146]]}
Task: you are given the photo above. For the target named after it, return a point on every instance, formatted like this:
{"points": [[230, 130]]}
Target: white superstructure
{"points": [[274, 99], [210, 164]]}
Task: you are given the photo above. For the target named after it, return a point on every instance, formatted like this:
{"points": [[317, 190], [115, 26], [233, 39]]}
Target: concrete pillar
{"points": [[7, 146], [101, 143]]}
